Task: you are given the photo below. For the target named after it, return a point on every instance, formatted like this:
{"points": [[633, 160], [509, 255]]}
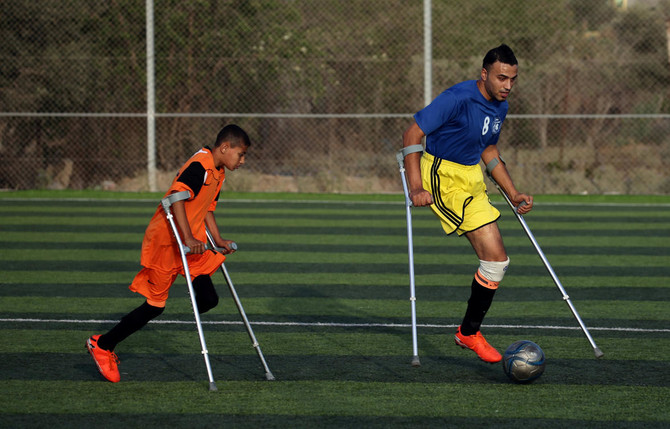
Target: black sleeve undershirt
{"points": [[193, 177]]}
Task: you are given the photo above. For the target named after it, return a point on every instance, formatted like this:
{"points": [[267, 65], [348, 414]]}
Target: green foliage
{"points": [[591, 14], [302, 57]]}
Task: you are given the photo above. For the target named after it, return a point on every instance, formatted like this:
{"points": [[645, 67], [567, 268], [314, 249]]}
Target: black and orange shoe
{"points": [[478, 344], [106, 361]]}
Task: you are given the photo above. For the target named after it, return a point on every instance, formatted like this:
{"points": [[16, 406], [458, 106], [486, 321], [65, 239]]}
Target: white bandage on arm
{"points": [[493, 271]]}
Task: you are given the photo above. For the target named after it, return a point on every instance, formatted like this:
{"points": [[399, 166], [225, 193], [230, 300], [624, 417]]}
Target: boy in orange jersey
{"points": [[202, 176]]}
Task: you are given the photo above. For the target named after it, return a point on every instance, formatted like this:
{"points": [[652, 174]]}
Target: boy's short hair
{"points": [[233, 134], [502, 53]]}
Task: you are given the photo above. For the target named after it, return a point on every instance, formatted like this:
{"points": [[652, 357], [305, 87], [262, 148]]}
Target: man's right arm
{"points": [[181, 219], [419, 196]]}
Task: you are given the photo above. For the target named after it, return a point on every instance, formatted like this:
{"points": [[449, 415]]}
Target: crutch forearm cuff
{"points": [[492, 164], [411, 149], [173, 198], [402, 153]]}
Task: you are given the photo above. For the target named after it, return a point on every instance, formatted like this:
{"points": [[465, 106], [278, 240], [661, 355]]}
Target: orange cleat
{"points": [[106, 361], [478, 344]]}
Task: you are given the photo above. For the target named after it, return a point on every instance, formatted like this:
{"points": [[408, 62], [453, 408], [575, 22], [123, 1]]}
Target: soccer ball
{"points": [[523, 361]]}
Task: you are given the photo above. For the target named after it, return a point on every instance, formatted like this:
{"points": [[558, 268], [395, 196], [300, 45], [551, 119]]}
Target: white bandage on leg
{"points": [[492, 272]]}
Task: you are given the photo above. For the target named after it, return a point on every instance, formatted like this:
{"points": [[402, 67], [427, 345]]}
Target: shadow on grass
{"points": [[384, 369]]}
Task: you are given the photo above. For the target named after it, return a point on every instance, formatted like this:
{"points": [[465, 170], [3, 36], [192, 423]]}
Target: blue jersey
{"points": [[460, 123]]}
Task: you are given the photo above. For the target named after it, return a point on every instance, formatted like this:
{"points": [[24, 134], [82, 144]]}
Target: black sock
{"points": [[130, 323], [205, 294], [478, 304]]}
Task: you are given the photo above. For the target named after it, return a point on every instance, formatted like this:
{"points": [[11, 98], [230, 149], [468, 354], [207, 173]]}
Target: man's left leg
{"points": [[487, 243]]}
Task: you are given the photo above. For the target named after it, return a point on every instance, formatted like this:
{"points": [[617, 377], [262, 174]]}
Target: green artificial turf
{"points": [[324, 281]]}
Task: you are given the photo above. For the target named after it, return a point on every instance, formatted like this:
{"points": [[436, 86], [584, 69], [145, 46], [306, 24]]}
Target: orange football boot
{"points": [[479, 345], [106, 361]]}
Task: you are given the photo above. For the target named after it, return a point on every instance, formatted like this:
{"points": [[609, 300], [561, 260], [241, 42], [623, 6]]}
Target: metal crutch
{"points": [[167, 202], [238, 303], [400, 157], [553, 275]]}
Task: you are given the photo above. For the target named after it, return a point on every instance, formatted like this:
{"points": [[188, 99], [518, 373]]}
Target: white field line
{"points": [[347, 202], [331, 324]]}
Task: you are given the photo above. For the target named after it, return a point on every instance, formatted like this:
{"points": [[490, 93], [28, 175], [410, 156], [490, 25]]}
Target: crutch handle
{"points": [[188, 249], [521, 204], [516, 209], [233, 246]]}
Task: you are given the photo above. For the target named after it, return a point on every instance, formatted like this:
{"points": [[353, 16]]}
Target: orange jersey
{"points": [[159, 247]]}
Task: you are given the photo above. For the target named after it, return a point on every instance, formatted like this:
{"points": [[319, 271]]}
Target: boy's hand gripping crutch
{"points": [[400, 157], [167, 202], [238, 303], [554, 277]]}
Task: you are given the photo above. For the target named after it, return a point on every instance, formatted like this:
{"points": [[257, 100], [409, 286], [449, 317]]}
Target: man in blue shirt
{"points": [[461, 127]]}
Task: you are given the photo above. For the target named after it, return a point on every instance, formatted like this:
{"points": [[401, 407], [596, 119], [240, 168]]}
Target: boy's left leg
{"points": [[201, 267], [205, 293]]}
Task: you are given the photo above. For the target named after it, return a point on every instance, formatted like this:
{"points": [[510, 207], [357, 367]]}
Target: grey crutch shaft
{"points": [[167, 203], [598, 353], [240, 308], [400, 157]]}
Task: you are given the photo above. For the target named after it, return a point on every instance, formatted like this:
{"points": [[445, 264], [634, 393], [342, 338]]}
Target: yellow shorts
{"points": [[155, 284], [459, 194]]}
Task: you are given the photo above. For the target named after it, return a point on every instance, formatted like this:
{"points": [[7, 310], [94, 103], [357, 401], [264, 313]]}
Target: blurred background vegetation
{"points": [[325, 88]]}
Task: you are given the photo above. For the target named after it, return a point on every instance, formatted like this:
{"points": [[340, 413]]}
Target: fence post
{"points": [[151, 94], [427, 52]]}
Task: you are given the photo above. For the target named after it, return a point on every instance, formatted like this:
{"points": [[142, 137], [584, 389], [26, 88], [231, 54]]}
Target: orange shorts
{"points": [[155, 284]]}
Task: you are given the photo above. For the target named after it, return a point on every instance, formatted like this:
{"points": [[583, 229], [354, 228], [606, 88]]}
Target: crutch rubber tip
{"points": [[599, 353], [269, 376], [212, 386], [415, 361]]}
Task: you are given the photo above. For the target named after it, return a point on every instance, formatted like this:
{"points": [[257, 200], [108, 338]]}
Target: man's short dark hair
{"points": [[233, 134], [502, 53]]}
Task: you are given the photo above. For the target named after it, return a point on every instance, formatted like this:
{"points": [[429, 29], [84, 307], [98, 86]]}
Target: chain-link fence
{"points": [[325, 89]]}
